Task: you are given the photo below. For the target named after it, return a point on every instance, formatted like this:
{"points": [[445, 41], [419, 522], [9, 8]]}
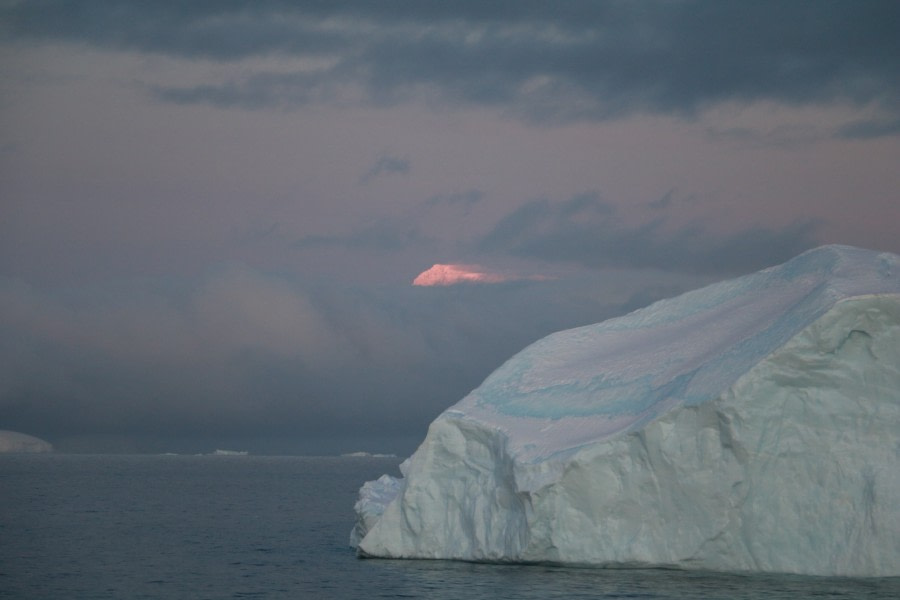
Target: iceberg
{"points": [[14, 442], [749, 426], [220, 452], [362, 454]]}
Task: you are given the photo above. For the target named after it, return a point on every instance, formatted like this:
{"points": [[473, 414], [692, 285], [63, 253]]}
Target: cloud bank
{"points": [[580, 60], [240, 353], [329, 151], [587, 231], [383, 166]]}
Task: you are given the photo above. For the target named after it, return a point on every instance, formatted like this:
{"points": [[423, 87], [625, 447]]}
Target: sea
{"points": [[230, 526]]}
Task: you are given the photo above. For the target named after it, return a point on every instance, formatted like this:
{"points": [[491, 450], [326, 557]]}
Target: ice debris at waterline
{"points": [[752, 425], [13, 442]]}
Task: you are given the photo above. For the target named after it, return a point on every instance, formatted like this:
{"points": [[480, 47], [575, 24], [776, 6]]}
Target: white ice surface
{"points": [[15, 442], [752, 425]]}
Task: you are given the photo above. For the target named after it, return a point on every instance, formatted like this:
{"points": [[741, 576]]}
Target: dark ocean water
{"points": [[75, 526]]}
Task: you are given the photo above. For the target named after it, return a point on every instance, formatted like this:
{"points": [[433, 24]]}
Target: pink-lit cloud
{"points": [[453, 274]]}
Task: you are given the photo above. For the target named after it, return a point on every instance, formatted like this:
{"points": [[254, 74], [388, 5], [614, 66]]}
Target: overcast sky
{"points": [[213, 212]]}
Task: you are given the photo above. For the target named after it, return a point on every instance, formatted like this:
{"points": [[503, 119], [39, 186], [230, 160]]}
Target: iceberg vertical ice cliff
{"points": [[752, 425]]}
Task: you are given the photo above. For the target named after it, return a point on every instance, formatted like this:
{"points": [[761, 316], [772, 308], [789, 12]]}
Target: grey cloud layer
{"points": [[385, 165], [239, 352], [587, 231], [540, 61], [348, 205]]}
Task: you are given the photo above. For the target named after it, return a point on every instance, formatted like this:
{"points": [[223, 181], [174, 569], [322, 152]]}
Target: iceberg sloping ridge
{"points": [[751, 425], [13, 442]]}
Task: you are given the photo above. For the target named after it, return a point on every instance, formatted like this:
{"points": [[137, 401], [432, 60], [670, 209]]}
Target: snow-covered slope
{"points": [[15, 442], [752, 425]]}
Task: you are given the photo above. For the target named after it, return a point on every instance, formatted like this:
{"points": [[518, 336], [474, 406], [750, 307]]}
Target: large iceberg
{"points": [[752, 425]]}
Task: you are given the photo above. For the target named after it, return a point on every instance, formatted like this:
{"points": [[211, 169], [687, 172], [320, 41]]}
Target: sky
{"points": [[310, 227]]}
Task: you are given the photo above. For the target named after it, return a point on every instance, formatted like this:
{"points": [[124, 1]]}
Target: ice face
{"points": [[751, 425], [373, 497]]}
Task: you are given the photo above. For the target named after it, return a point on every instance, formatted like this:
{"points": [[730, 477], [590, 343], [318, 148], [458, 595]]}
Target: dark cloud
{"points": [[386, 165], [869, 129], [384, 235], [669, 199], [540, 62], [103, 184], [227, 30], [663, 202], [587, 231], [782, 136], [466, 200], [260, 90], [242, 354]]}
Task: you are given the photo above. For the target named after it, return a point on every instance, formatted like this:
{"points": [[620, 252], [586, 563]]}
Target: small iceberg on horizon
{"points": [[13, 442], [367, 455], [219, 452]]}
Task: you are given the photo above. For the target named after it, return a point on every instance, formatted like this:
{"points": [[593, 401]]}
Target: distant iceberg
{"points": [[230, 453], [752, 425], [367, 455], [14, 442]]}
